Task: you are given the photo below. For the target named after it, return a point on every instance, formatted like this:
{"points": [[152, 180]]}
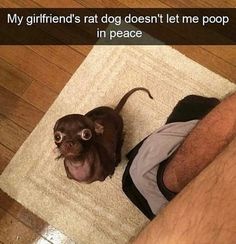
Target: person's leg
{"points": [[203, 144], [204, 212]]}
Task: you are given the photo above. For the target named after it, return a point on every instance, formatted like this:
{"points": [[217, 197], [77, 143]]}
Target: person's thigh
{"points": [[204, 212], [202, 145]]}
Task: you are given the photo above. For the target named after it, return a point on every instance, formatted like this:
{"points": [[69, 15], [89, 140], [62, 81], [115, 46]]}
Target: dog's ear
{"points": [[99, 129]]}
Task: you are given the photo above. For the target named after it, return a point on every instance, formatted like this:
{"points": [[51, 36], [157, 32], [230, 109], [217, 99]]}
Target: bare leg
{"points": [[204, 212], [203, 144]]}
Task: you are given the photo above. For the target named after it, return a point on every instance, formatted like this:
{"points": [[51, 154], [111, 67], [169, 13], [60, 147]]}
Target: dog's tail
{"points": [[123, 100]]}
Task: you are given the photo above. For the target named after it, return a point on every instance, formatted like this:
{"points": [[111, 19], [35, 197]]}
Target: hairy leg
{"points": [[204, 212], [202, 145]]}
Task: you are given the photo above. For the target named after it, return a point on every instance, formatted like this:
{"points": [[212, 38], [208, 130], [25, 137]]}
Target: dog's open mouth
{"points": [[70, 155], [73, 157]]}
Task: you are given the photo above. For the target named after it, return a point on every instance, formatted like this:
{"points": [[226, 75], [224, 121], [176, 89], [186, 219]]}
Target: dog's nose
{"points": [[69, 144]]}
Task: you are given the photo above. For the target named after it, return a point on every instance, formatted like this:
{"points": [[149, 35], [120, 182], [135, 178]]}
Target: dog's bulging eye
{"points": [[86, 134], [58, 136]]}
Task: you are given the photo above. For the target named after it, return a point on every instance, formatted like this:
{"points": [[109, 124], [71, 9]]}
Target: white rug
{"points": [[100, 212]]}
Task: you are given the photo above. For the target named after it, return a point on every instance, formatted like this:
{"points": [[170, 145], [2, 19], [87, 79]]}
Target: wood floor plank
{"points": [[227, 53], [21, 213], [19, 111], [35, 66], [12, 79], [18, 83], [12, 136], [101, 3], [55, 236], [200, 3], [209, 60], [139, 3], [32, 221], [143, 4], [40, 96], [18, 4], [5, 156], [178, 3], [13, 231], [63, 56], [58, 4], [8, 4], [83, 49]]}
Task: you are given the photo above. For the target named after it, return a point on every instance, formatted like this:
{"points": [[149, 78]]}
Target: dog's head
{"points": [[74, 134]]}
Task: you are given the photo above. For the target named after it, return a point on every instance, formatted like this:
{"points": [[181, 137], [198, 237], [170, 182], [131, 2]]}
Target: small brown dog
{"points": [[91, 144]]}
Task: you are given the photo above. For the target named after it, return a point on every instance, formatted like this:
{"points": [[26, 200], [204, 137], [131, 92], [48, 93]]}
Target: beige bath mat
{"points": [[100, 212]]}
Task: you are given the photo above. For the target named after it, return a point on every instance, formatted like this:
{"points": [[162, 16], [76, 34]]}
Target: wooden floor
{"points": [[31, 77]]}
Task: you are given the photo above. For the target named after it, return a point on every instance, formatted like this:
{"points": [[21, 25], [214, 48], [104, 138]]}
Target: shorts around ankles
{"points": [[157, 148]]}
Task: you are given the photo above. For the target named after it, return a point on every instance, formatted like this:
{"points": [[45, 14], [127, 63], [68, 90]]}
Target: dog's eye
{"points": [[58, 136], [86, 134]]}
